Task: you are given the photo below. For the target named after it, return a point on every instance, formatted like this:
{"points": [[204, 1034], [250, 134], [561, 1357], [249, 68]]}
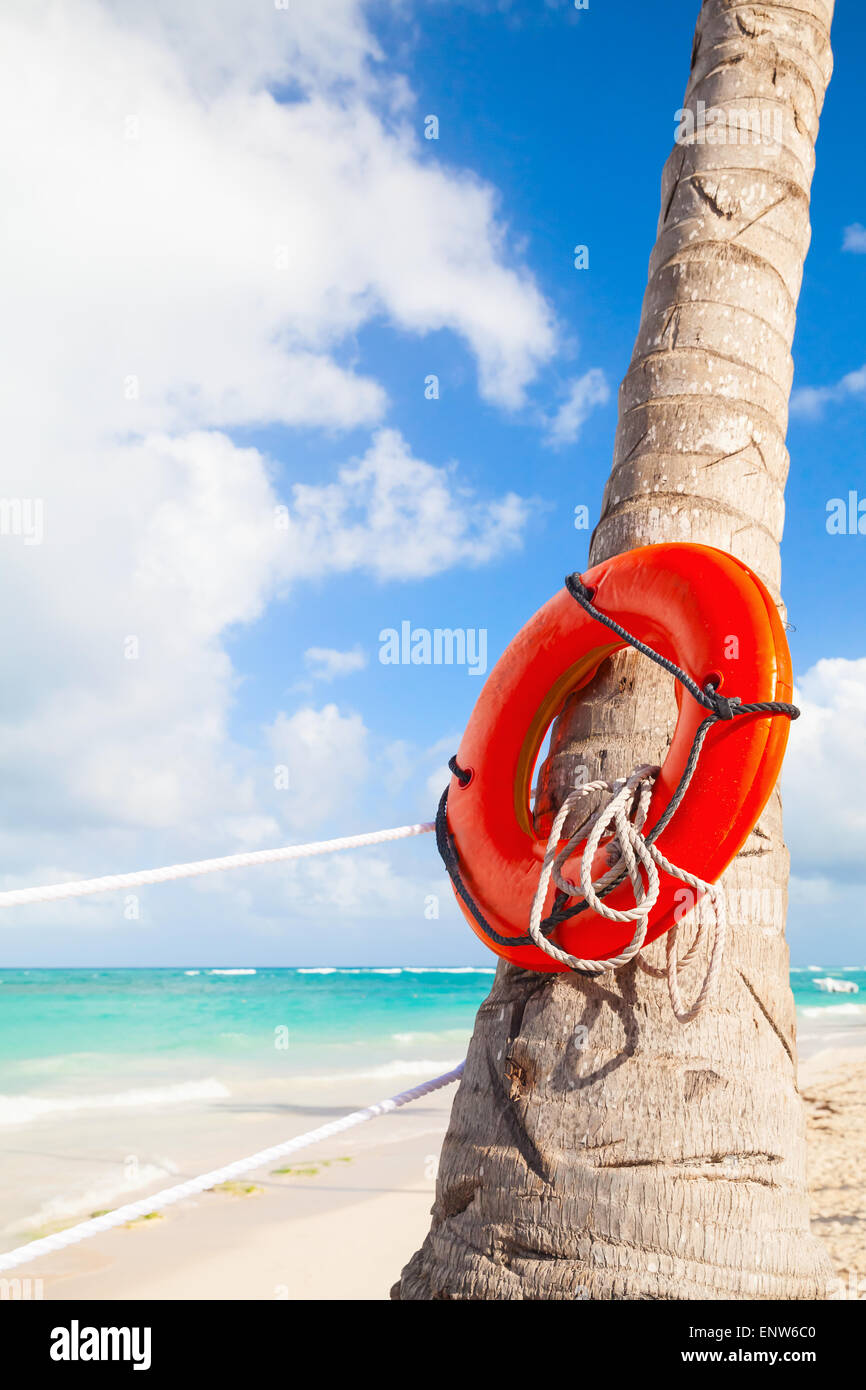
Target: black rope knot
{"points": [[722, 707], [459, 772], [576, 587]]}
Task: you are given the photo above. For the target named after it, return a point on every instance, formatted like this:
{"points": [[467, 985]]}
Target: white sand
{"points": [[833, 1085], [341, 1232], [345, 1230]]}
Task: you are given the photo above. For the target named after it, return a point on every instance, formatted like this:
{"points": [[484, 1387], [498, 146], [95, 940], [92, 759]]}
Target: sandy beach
{"points": [[833, 1086], [348, 1213], [339, 1224]]}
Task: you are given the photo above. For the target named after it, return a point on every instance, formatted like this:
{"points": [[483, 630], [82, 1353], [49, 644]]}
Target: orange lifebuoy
{"points": [[694, 606]]}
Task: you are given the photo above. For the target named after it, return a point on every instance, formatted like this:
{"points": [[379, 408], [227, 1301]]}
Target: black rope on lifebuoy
{"points": [[463, 776], [721, 708], [448, 852]]}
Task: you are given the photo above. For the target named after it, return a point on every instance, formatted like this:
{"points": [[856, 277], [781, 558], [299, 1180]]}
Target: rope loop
{"points": [[625, 810], [463, 775]]}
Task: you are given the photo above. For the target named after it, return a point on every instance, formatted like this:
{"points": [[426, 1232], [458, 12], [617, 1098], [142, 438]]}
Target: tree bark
{"points": [[597, 1148]]}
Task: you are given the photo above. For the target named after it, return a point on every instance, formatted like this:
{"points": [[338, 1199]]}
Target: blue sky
{"points": [[238, 261]]}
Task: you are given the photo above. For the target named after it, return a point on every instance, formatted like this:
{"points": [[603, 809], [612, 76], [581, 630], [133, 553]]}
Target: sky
{"points": [[296, 351]]}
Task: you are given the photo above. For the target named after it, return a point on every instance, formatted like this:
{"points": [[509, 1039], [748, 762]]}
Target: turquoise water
{"points": [[72, 1032], [829, 1020], [112, 1081]]}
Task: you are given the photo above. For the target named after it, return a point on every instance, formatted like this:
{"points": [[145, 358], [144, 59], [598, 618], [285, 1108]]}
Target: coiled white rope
{"points": [[627, 794], [47, 1245], [79, 888]]}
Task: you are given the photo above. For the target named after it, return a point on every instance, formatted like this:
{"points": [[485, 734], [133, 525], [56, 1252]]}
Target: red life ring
{"points": [[696, 606]]}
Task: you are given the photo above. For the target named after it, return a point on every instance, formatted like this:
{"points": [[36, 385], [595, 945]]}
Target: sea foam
{"points": [[23, 1109]]}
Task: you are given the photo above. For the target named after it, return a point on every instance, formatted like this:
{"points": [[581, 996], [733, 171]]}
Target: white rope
{"points": [[632, 848], [47, 1245], [675, 965], [627, 794], [79, 888]]}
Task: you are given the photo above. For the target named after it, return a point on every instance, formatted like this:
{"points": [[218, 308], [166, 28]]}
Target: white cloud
{"points": [[326, 663], [118, 715], [584, 394], [222, 43], [364, 885], [855, 239], [220, 246], [437, 782], [342, 891], [816, 892], [118, 718], [184, 255], [326, 756], [825, 772], [809, 402], [398, 517]]}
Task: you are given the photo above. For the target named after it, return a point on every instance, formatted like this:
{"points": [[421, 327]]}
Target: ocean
{"points": [[115, 1081]]}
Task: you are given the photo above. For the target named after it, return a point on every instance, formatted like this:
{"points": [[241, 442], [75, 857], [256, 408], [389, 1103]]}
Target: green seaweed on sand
{"points": [[136, 1220], [237, 1189], [307, 1170]]}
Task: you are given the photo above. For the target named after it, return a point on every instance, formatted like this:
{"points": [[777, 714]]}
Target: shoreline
{"points": [[345, 1218], [339, 1225]]}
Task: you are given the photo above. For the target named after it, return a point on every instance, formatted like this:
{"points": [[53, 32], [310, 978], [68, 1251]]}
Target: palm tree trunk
{"points": [[598, 1148]]}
